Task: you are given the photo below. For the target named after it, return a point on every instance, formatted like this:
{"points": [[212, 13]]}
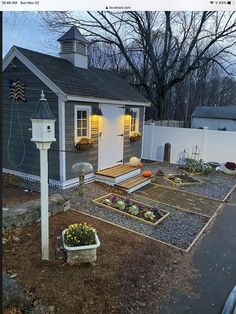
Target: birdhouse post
{"points": [[43, 134]]}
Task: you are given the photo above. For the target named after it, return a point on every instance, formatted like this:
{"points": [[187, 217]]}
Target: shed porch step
{"points": [[134, 183], [116, 174]]}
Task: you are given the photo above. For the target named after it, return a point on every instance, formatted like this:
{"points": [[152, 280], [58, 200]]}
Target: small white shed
{"points": [[215, 118]]}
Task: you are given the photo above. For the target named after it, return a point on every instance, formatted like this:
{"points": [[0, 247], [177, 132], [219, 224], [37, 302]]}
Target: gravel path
{"points": [[179, 228], [215, 186]]}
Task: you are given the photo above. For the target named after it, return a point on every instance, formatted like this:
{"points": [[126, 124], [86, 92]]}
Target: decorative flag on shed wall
{"points": [[17, 90]]}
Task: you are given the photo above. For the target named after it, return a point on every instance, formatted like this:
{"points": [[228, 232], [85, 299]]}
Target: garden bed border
{"points": [[229, 193], [182, 184], [210, 198], [177, 207], [97, 202], [162, 242]]}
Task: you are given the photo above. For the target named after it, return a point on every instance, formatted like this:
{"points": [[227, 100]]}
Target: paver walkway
{"points": [[215, 260], [183, 200]]}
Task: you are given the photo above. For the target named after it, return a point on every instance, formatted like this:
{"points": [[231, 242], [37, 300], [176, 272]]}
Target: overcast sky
{"points": [[23, 29]]}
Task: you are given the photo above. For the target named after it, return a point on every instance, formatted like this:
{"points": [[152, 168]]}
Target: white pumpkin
{"points": [[134, 161]]}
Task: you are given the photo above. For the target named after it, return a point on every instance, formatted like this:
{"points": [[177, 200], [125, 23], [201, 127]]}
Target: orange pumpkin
{"points": [[147, 173], [140, 164]]}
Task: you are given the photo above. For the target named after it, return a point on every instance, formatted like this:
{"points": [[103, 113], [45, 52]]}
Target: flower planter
{"points": [[134, 139], [140, 217], [185, 179], [228, 171], [83, 147], [81, 254]]}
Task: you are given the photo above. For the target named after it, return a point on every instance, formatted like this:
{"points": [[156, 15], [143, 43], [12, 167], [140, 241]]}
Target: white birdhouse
{"points": [[43, 123]]}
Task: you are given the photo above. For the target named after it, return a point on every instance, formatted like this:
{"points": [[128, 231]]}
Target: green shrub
{"points": [[197, 166]]}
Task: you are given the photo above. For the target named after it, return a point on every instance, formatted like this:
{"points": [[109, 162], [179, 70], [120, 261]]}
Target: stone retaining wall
{"points": [[23, 214]]}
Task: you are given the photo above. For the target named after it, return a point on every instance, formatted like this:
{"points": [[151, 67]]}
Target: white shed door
{"points": [[111, 136]]}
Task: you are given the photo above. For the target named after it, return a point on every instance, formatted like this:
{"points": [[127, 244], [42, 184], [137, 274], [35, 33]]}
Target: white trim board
{"points": [[15, 53], [63, 185], [62, 153], [107, 101]]}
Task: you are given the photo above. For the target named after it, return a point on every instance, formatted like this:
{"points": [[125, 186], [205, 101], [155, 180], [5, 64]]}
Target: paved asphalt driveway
{"points": [[215, 259]]}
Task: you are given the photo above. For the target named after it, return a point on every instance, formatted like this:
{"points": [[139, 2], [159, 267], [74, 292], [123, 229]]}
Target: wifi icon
{"points": [[211, 2]]}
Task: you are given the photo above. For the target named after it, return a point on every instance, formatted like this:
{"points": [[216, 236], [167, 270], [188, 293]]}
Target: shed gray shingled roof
{"points": [[221, 112], [73, 34], [91, 82]]}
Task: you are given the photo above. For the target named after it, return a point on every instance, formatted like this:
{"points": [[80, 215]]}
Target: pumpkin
{"points": [[140, 164], [134, 161], [147, 173]]}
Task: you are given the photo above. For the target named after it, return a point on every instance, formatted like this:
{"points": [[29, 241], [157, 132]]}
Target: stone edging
{"points": [[23, 214]]}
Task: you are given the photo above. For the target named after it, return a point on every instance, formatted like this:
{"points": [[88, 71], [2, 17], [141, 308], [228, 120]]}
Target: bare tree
{"points": [[161, 49]]}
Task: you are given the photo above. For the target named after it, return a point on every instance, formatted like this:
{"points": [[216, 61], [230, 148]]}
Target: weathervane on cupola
{"points": [[74, 48]]}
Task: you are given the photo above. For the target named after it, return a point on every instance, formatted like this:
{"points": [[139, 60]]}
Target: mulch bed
{"points": [[133, 274], [181, 179], [195, 203], [13, 195]]}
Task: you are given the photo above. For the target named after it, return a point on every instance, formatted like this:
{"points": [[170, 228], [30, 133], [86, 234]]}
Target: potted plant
{"points": [[84, 143], [80, 242], [229, 167], [134, 136]]}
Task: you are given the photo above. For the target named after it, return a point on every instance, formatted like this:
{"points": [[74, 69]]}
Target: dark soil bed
{"points": [[13, 195], [159, 215], [132, 275], [181, 179]]}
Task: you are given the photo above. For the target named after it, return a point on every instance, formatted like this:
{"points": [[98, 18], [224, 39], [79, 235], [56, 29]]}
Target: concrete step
{"points": [[134, 183]]}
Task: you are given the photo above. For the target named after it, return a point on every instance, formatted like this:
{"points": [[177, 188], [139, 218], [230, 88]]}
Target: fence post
{"points": [[152, 129], [204, 142]]}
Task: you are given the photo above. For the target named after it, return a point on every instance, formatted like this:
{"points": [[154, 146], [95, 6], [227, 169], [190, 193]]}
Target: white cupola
{"points": [[74, 48]]}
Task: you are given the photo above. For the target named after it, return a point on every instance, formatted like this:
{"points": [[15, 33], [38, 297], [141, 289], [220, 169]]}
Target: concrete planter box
{"points": [[81, 254]]}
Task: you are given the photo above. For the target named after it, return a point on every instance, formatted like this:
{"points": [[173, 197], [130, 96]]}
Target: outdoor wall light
{"points": [[97, 112], [128, 111]]}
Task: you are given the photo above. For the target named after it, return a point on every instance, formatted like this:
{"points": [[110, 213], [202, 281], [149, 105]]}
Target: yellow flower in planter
{"points": [[79, 235]]}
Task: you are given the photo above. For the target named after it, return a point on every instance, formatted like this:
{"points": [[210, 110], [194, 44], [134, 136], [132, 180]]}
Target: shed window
{"points": [[134, 125], [82, 121]]}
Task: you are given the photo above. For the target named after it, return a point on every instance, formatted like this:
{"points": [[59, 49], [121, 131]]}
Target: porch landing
{"points": [[126, 177]]}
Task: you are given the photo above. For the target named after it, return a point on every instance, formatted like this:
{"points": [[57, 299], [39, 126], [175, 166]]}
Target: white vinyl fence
{"points": [[219, 146]]}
